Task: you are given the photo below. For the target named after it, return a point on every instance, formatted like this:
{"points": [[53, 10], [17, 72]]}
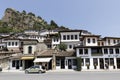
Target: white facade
{"points": [[46, 32], [26, 49], [69, 36], [55, 42], [13, 43], [90, 41], [99, 61], [112, 41], [71, 39], [31, 32], [37, 37]]}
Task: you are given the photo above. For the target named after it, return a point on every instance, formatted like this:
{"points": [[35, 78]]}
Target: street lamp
{"points": [[54, 59]]}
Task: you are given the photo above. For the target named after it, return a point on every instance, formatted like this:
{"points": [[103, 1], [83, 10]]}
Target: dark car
{"points": [[35, 69]]}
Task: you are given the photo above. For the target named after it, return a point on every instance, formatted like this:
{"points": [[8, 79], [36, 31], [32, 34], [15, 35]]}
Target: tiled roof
{"points": [[91, 35], [59, 53], [117, 44], [71, 31], [111, 38]]}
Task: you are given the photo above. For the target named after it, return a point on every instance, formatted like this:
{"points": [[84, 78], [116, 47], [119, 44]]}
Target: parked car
{"points": [[0, 69], [35, 69]]}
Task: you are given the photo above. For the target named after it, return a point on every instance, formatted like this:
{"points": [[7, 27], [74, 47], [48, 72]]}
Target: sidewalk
{"points": [[64, 70], [4, 70]]}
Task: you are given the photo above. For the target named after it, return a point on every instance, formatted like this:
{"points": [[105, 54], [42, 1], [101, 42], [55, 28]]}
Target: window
{"points": [[111, 61], [86, 51], [87, 60], [57, 40], [96, 50], [49, 46], [74, 62], [58, 62], [80, 51], [12, 43], [108, 41], [76, 37], [98, 43], [88, 40], [111, 51], [29, 49], [107, 61], [54, 40], [9, 43], [93, 40], [68, 37], [102, 43], [71, 37], [64, 37], [117, 41], [117, 50], [16, 43], [82, 62], [95, 61], [70, 46], [105, 51], [114, 41], [13, 63]]}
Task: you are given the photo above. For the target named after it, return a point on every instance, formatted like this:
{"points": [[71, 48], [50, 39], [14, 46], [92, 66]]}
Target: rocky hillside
{"points": [[18, 21]]}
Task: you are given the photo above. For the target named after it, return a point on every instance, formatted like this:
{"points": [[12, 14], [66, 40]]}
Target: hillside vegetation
{"points": [[15, 21]]}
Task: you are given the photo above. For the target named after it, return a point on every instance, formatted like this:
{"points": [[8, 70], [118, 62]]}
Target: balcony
{"points": [[96, 54]]}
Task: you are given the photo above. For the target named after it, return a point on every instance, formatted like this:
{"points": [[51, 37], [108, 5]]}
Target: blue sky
{"points": [[100, 17]]}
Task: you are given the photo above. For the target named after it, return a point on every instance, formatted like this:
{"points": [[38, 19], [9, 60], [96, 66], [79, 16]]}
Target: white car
{"points": [[35, 69]]}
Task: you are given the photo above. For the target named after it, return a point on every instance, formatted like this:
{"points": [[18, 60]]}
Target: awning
{"points": [[42, 59], [27, 58]]}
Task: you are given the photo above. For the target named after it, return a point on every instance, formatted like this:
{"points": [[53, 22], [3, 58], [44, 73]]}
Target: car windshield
{"points": [[34, 67]]}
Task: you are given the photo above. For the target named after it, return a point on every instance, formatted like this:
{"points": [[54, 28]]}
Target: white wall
{"points": [[18, 43], [25, 49], [69, 33], [91, 41], [55, 42]]}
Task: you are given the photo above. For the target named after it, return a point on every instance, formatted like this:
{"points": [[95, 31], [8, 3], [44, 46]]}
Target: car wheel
{"points": [[26, 72], [40, 71]]}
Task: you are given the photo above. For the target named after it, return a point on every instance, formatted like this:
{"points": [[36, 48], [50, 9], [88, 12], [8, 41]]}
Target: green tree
{"points": [[53, 24], [39, 17], [5, 29], [62, 47], [79, 61], [24, 12], [32, 14]]}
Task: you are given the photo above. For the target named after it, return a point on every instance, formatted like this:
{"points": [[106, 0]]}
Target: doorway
{"points": [[28, 63], [118, 63], [62, 64], [101, 63], [69, 64], [17, 64]]}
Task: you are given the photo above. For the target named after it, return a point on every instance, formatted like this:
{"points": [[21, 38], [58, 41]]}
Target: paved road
{"points": [[105, 75]]}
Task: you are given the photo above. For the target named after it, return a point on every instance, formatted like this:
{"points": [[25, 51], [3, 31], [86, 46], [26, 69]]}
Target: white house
{"points": [[70, 38], [97, 53]]}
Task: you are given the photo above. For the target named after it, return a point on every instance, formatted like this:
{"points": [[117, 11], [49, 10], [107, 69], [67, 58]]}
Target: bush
{"points": [[62, 47], [79, 61]]}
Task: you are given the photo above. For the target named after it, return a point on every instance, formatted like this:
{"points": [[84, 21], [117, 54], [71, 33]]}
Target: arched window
{"points": [[29, 50]]}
